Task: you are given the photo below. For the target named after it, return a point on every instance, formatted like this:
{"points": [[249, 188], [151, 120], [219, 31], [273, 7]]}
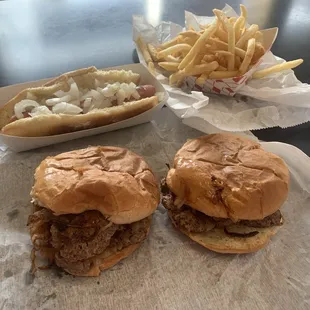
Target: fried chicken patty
{"points": [[72, 241]]}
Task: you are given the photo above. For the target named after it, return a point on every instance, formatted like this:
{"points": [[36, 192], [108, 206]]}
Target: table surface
{"points": [[40, 39]]}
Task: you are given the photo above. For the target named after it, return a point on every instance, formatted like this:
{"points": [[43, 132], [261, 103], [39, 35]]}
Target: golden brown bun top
{"points": [[112, 180], [225, 175]]}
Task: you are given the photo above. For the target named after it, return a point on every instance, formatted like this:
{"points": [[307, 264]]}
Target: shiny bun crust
{"points": [[228, 176], [112, 180]]}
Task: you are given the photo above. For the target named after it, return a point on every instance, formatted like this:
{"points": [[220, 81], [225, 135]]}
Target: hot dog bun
{"points": [[51, 124]]}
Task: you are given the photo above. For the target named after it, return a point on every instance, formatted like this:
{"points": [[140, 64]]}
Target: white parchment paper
{"points": [[277, 100], [169, 271]]}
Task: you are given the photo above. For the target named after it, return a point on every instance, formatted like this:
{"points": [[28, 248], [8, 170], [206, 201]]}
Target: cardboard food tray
{"points": [[19, 144]]}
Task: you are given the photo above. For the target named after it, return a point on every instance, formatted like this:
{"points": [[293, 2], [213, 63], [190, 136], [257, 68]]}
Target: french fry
{"points": [[208, 46], [223, 49], [259, 52], [222, 35], [169, 66], [203, 27], [143, 48], [237, 62], [248, 57], [249, 33], [153, 52], [221, 68], [197, 60], [198, 45], [183, 54], [176, 78], [210, 51], [224, 53], [231, 37], [199, 69], [174, 49], [220, 16], [190, 41], [190, 34], [209, 58], [223, 45], [231, 46], [232, 20], [244, 14], [202, 79], [258, 36], [177, 55], [171, 58], [222, 61], [222, 74], [170, 43], [151, 67], [277, 68], [237, 27]]}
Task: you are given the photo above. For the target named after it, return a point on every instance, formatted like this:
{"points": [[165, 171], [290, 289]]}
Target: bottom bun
{"points": [[110, 261], [218, 241]]}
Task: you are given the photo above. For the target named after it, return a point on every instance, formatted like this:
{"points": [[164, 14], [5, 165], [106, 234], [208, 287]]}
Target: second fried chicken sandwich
{"points": [[224, 192]]}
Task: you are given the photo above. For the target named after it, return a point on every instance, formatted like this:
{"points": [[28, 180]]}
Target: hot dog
{"points": [[77, 100], [144, 91]]}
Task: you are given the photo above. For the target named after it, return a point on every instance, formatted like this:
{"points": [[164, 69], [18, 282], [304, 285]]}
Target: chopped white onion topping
{"points": [[92, 94], [60, 93], [96, 104], [121, 96], [24, 105], [41, 110], [86, 105], [53, 101], [66, 108], [74, 91], [87, 102], [121, 91], [77, 100], [110, 90]]}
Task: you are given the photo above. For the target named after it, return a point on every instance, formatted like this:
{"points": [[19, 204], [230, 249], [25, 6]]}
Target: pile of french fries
{"points": [[224, 49]]}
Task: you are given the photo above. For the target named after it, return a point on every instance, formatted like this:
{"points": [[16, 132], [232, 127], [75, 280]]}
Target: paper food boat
{"points": [[19, 144], [166, 31]]}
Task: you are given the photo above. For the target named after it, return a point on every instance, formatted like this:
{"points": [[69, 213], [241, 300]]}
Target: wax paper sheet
{"points": [[277, 100], [169, 271]]}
